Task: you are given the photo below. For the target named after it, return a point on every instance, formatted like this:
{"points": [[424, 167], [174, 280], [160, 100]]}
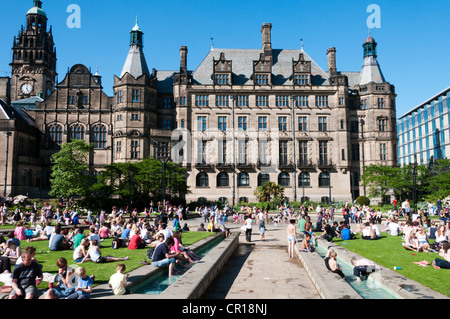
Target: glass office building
{"points": [[425, 131]]}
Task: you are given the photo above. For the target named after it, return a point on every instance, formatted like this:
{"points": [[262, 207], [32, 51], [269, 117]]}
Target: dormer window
{"points": [[301, 71], [262, 79], [262, 71], [222, 79], [222, 71], [302, 79]]}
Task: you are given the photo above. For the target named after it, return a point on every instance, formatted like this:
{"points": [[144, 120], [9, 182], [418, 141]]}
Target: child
{"points": [[84, 288], [96, 255], [305, 245], [333, 266], [118, 281]]}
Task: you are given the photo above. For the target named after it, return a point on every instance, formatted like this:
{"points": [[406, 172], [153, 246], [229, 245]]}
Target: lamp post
{"points": [[8, 134], [414, 173], [164, 157]]}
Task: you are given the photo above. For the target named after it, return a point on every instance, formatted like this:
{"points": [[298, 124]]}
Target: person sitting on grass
{"points": [[444, 253], [58, 241], [63, 287], [12, 251], [136, 242], [368, 233], [19, 231], [346, 233], [80, 254], [162, 256], [422, 238], [95, 254], [84, 287], [412, 243], [104, 231]]}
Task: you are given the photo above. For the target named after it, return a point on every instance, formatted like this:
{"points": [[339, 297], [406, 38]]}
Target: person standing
{"points": [[248, 228], [439, 208], [291, 237]]}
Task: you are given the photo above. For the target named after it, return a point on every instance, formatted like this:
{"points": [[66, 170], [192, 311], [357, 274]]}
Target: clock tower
{"points": [[33, 66]]}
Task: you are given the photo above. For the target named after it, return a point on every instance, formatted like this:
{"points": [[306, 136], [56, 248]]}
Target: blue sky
{"points": [[413, 38]]}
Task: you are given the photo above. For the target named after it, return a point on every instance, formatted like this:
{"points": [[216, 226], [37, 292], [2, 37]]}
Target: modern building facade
{"points": [[424, 131], [242, 117]]}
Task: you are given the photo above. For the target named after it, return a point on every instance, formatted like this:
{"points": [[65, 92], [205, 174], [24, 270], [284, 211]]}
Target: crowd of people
{"points": [[127, 230], [164, 246]]}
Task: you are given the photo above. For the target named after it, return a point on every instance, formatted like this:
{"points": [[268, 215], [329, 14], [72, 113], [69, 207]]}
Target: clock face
{"points": [[27, 88]]}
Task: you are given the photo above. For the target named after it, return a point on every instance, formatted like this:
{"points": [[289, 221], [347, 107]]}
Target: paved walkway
{"points": [[262, 269]]}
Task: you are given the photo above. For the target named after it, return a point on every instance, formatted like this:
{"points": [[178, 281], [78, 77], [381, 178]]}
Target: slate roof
{"points": [[135, 63], [242, 64], [370, 71]]}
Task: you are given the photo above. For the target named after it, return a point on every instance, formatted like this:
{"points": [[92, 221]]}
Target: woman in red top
{"points": [[136, 241]]}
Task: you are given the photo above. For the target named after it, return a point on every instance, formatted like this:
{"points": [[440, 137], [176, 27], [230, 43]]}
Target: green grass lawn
{"points": [[389, 252], [102, 271]]}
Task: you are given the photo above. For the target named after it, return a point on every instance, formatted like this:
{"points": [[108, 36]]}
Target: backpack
{"points": [[150, 252]]}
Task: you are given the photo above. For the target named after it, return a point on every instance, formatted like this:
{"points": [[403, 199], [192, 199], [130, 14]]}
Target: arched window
{"points": [[243, 179], [262, 178], [202, 180], [77, 132], [304, 179], [99, 136], [284, 179], [55, 134], [324, 179], [222, 179], [223, 199], [243, 199]]}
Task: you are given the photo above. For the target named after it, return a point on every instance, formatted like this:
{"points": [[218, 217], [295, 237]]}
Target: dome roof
{"points": [[369, 39], [36, 10]]}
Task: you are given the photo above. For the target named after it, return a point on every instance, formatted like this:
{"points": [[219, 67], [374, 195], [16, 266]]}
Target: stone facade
{"points": [[240, 118], [258, 115]]}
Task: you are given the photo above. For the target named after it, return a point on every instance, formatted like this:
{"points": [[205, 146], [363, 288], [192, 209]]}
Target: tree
{"points": [[439, 179], [269, 190], [140, 180], [70, 170], [380, 179]]}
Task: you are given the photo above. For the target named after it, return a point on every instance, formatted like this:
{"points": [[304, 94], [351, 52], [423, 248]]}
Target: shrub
{"points": [[363, 200]]}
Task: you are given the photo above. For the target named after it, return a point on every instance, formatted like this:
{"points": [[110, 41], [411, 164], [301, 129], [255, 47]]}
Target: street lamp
{"points": [[8, 134], [414, 174], [164, 157]]}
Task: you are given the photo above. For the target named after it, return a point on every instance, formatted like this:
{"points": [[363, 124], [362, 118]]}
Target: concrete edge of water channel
{"points": [[190, 285], [332, 286]]}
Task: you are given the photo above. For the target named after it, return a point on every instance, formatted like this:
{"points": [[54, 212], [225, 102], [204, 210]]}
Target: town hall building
{"points": [[240, 118]]}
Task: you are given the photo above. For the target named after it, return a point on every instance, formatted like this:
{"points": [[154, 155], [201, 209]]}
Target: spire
{"points": [[370, 71], [135, 63], [136, 35]]}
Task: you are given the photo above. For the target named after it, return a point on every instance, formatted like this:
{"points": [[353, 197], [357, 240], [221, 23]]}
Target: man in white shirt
{"points": [[393, 228], [165, 231], [376, 229]]}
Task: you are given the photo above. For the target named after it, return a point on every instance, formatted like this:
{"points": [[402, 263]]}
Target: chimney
{"points": [[266, 39], [331, 56], [183, 59]]}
